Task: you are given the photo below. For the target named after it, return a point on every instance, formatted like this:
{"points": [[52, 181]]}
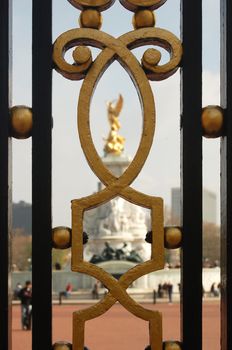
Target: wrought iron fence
{"points": [[46, 57]]}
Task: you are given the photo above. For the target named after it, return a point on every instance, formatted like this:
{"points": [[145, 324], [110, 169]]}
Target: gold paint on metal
{"points": [[82, 54], [212, 119], [21, 122], [114, 142], [135, 5], [151, 57], [90, 18], [143, 19], [118, 49], [61, 237], [113, 47], [172, 237], [101, 5], [172, 345], [117, 187], [62, 345]]}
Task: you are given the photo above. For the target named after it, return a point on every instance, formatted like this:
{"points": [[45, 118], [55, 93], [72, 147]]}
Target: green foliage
{"points": [[20, 250], [211, 243]]}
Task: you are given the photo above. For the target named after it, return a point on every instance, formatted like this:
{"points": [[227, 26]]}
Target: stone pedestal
{"points": [[118, 221], [116, 164]]}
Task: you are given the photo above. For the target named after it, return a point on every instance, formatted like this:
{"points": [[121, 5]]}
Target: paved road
{"points": [[118, 329]]}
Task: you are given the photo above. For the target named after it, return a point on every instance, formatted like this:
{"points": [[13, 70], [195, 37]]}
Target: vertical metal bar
{"points": [[41, 172], [226, 177], [5, 174], [191, 174]]}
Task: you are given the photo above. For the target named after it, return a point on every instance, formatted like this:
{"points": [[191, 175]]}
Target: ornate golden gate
{"points": [[194, 124]]}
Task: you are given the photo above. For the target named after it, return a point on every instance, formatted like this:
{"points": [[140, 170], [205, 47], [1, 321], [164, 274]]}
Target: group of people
{"points": [[165, 289], [24, 294]]}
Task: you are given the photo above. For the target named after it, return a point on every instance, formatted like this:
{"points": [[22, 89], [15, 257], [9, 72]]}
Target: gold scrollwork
{"points": [[118, 49], [117, 186], [84, 67], [134, 5]]}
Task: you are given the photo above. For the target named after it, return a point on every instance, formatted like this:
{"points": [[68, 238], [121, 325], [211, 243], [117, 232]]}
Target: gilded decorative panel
{"points": [[84, 67]]}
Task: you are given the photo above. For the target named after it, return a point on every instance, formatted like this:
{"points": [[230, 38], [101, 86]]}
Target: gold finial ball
{"points": [[212, 121], [151, 57], [90, 18], [172, 237], [61, 237], [21, 122], [62, 345], [82, 54], [172, 345], [143, 19]]}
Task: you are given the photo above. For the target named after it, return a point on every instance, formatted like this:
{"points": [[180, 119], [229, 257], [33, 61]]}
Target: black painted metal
{"points": [[226, 177], [5, 175], [191, 168], [41, 173]]}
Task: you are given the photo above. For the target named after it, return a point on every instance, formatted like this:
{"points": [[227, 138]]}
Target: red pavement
{"points": [[118, 329]]}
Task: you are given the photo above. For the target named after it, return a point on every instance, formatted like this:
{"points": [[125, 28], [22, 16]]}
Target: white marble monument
{"points": [[118, 222]]}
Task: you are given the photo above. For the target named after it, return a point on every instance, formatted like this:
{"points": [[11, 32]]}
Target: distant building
{"points": [[22, 217], [209, 205]]}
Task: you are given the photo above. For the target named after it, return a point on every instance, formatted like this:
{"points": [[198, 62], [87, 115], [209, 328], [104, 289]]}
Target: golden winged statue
{"points": [[114, 142]]}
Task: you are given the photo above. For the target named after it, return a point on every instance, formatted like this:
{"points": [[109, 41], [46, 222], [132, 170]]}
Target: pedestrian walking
{"points": [[95, 290], [170, 291], [154, 296], [25, 295]]}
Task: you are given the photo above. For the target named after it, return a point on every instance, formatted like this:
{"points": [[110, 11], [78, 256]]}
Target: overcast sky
{"points": [[72, 177]]}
